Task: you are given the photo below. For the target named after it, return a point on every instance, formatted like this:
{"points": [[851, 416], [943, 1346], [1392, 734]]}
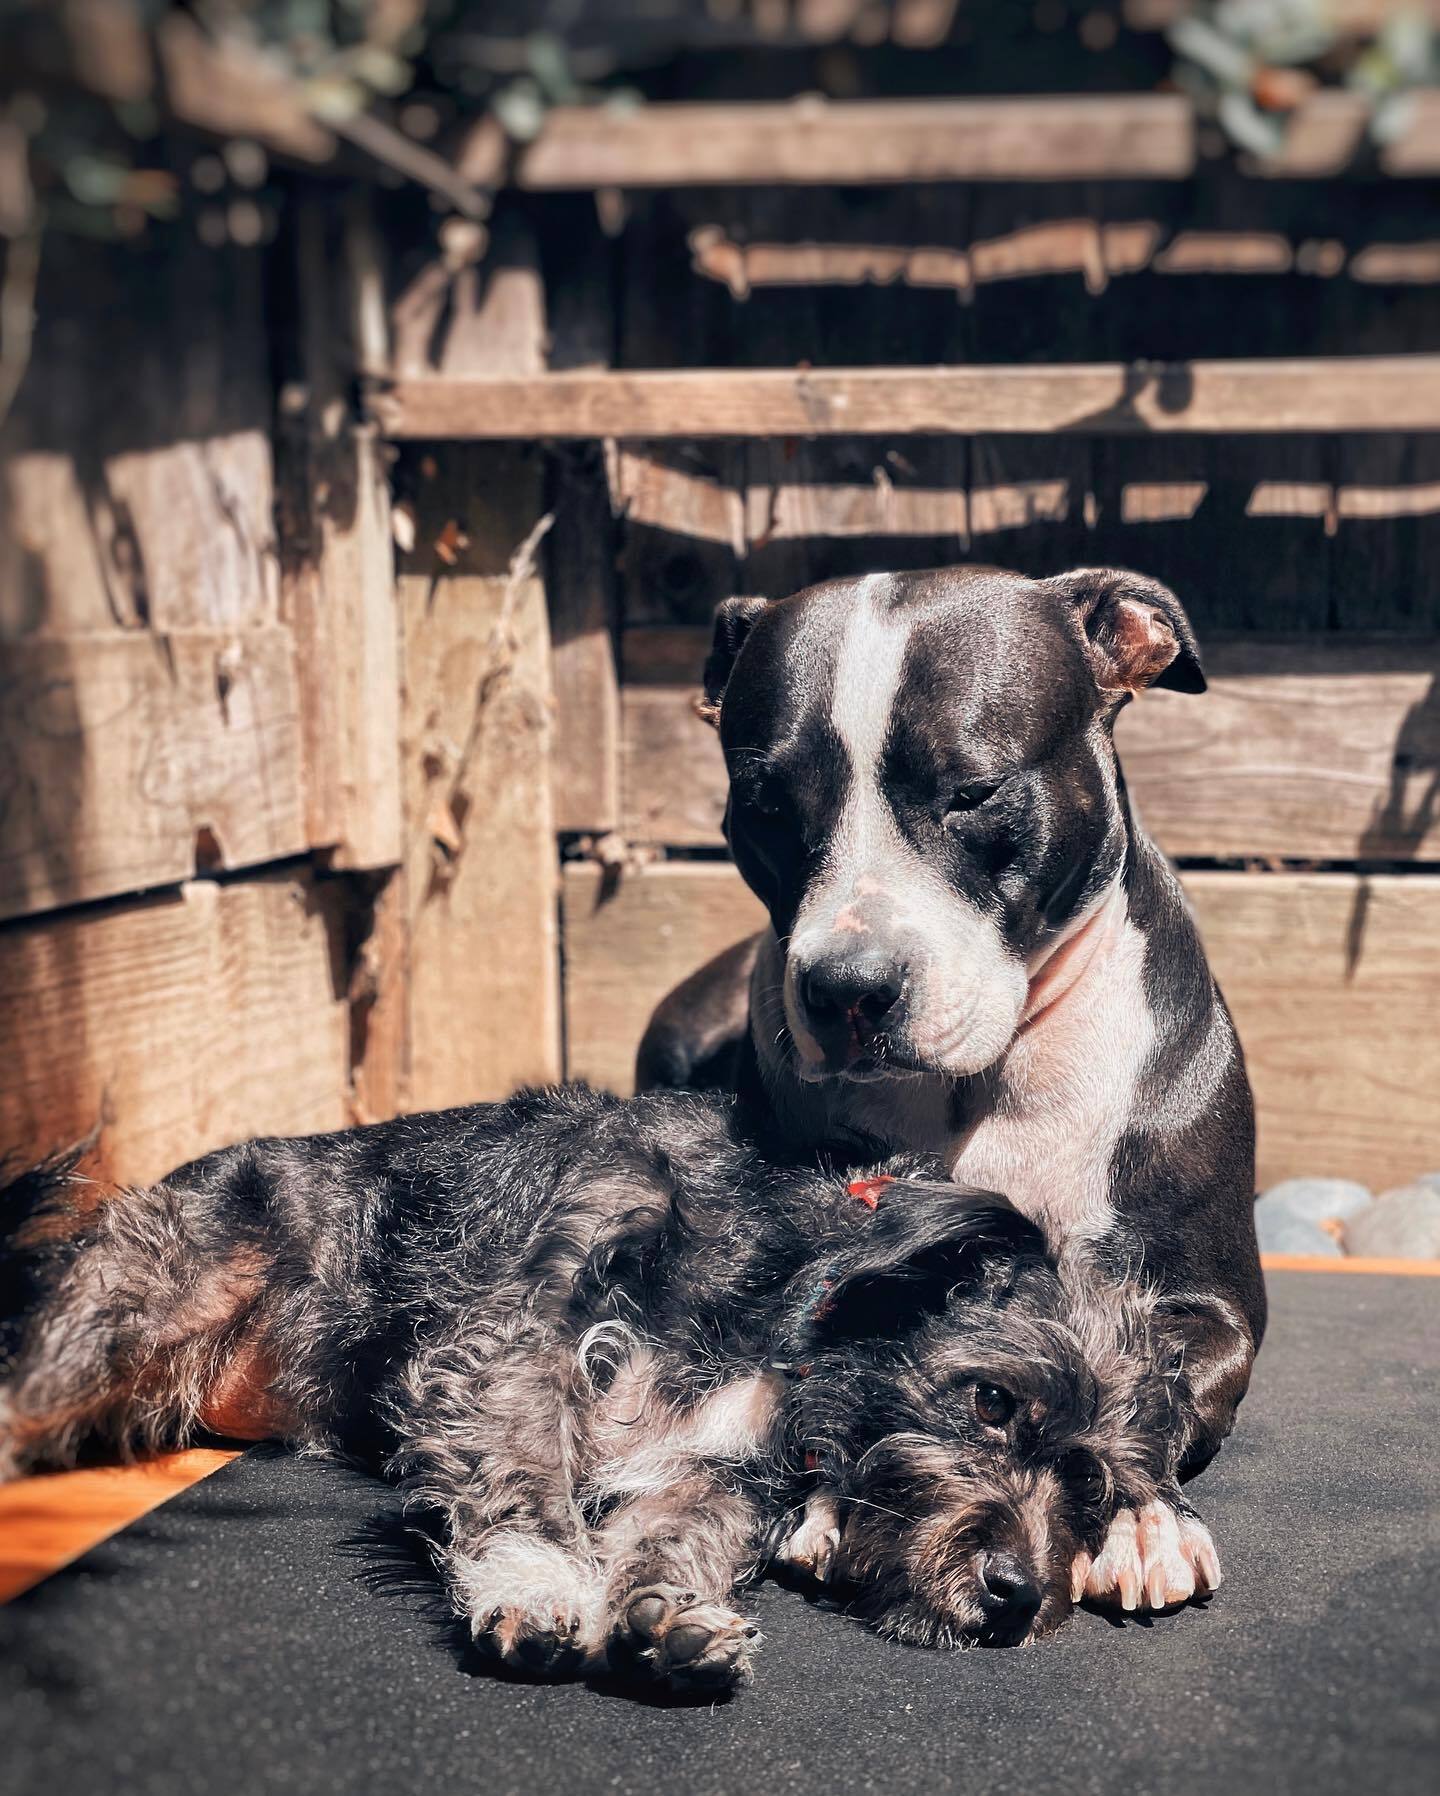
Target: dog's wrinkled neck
{"points": [[1076, 960]]}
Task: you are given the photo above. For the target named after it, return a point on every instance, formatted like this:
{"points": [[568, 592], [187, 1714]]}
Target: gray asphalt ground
{"points": [[260, 1634]]}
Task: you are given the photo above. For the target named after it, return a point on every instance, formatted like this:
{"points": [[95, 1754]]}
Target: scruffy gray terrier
{"points": [[610, 1349]]}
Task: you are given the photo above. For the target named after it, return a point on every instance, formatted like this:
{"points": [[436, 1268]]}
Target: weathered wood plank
{"points": [[813, 141], [180, 1023], [1385, 513], [682, 527], [1324, 974], [338, 588], [624, 952], [840, 506], [136, 486], [580, 581], [1324, 749], [180, 536], [1330, 130], [474, 310], [480, 866], [818, 141], [1317, 749], [1239, 526], [135, 760], [1323, 393]]}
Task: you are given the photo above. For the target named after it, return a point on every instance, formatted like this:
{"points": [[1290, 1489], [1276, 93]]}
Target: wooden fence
{"points": [[338, 658]]}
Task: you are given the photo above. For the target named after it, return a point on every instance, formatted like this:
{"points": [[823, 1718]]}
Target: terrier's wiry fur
{"points": [[610, 1350]]}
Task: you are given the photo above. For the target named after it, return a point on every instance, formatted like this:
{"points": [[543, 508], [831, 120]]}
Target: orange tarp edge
{"points": [[46, 1522]]}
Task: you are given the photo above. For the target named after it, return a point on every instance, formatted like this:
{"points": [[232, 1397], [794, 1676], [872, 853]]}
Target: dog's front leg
{"points": [[672, 1560], [1161, 1553], [812, 1545], [490, 1427]]}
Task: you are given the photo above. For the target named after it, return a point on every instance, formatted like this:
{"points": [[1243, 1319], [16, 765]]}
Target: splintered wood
{"points": [[479, 868]]}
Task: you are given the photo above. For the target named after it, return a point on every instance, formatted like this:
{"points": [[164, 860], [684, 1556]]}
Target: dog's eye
{"points": [[968, 797], [993, 1405], [765, 795]]}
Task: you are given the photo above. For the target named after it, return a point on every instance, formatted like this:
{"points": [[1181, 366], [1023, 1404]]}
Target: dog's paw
{"points": [[811, 1549], [1152, 1558], [670, 1636], [538, 1643], [532, 1605]]}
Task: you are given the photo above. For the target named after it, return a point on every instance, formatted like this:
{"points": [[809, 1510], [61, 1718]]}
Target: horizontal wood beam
{"points": [[815, 140], [1312, 749], [1340, 393]]}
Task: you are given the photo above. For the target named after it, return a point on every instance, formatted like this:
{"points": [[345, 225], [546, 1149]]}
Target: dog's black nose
{"points": [[1007, 1591], [866, 988]]}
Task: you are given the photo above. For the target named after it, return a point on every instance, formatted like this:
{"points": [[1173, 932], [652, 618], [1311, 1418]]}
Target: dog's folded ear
{"points": [[1136, 631], [925, 1241], [734, 620]]}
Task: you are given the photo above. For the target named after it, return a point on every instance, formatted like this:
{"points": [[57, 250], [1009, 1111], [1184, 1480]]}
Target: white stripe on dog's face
{"points": [[964, 992]]}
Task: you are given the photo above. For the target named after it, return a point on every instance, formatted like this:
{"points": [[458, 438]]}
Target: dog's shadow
{"points": [[398, 1564], [1120, 1619]]}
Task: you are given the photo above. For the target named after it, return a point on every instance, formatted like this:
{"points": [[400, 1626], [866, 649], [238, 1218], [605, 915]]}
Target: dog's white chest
{"points": [[1069, 1090]]}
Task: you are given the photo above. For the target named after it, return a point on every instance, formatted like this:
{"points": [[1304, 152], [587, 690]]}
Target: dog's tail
{"points": [[42, 1226]]}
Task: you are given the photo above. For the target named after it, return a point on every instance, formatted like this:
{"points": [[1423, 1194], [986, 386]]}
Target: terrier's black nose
{"points": [[1007, 1591], [866, 989]]}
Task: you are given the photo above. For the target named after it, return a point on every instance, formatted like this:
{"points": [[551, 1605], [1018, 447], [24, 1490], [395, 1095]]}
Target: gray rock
{"points": [[1403, 1224], [1282, 1232], [1316, 1200]]}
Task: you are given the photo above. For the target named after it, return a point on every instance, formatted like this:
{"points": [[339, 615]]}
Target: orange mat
{"points": [[46, 1522]]}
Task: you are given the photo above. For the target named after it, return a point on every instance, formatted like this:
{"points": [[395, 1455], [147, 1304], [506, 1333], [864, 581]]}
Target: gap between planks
{"points": [[1325, 393]]}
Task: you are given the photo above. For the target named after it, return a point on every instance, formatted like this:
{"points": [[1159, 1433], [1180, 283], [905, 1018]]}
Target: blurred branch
{"points": [[385, 144]]}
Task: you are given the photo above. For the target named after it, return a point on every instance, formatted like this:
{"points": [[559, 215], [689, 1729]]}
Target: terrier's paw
{"points": [[1152, 1558], [813, 1546], [531, 1604], [539, 1643], [670, 1636]]}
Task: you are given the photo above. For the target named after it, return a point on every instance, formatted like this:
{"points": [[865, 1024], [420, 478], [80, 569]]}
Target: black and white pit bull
{"points": [[974, 948]]}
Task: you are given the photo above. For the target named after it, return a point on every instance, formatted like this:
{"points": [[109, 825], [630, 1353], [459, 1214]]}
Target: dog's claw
{"points": [[540, 1645], [1079, 1572], [670, 1635], [1152, 1558]]}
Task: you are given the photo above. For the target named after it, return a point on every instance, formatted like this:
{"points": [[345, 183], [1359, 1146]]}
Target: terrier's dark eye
{"points": [[969, 797], [993, 1406]]}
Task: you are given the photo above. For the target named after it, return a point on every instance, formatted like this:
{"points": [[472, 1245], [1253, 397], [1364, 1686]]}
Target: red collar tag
{"points": [[867, 1191]]}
